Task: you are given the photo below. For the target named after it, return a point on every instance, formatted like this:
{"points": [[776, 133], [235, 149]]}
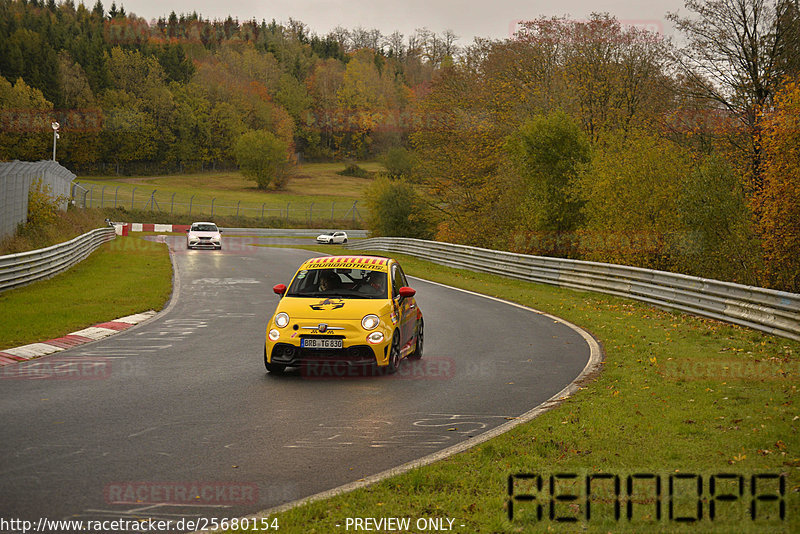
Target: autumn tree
{"points": [[779, 205], [736, 56], [262, 157], [547, 153], [632, 190]]}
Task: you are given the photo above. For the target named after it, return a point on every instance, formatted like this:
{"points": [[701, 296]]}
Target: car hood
{"points": [[342, 309], [203, 234]]}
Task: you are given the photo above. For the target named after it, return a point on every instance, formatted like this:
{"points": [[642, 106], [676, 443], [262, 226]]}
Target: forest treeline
{"points": [[179, 92], [584, 139], [596, 141]]}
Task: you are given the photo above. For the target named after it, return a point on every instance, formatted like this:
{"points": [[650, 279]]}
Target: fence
{"points": [[145, 198], [26, 267], [16, 178], [776, 312]]}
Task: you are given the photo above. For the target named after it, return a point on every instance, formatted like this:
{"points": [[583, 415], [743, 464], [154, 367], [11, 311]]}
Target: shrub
{"points": [[396, 209], [263, 157]]}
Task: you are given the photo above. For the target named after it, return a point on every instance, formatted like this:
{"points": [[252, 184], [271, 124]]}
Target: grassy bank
{"points": [[315, 192], [677, 395], [125, 276], [67, 225]]}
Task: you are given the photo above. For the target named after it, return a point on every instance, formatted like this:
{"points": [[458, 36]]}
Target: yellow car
{"points": [[353, 309]]}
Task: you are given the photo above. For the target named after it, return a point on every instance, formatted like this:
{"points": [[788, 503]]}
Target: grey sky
{"points": [[468, 19]]}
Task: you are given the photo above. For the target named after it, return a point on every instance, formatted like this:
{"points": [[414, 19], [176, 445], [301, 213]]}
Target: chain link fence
{"points": [[16, 178], [88, 195]]}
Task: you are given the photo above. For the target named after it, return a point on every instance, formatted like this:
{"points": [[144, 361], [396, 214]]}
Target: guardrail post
{"points": [[133, 196], [171, 203], [190, 204]]}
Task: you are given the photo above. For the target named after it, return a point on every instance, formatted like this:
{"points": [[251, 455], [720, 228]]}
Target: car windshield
{"points": [[344, 283], [204, 228]]}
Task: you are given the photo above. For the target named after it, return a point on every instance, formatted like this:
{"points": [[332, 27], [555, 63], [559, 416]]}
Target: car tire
{"points": [[417, 354], [219, 247], [394, 355], [345, 240], [273, 368]]}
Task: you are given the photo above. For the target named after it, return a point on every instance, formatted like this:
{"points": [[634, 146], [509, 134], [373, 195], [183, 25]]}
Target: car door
{"points": [[406, 307]]}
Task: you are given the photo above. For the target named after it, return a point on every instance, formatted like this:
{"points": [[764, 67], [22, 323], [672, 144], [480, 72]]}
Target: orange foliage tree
{"points": [[778, 205]]}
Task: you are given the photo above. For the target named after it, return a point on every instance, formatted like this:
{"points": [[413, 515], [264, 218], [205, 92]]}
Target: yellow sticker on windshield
{"points": [[348, 262]]}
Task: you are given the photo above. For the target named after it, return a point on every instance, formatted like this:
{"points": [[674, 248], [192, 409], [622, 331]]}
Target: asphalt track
{"points": [[184, 398]]}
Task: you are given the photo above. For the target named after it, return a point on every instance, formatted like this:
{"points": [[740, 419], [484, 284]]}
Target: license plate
{"points": [[321, 343]]}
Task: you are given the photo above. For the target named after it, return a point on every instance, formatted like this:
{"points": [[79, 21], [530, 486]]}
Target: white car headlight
{"points": [[274, 335], [282, 319], [375, 338], [370, 322]]}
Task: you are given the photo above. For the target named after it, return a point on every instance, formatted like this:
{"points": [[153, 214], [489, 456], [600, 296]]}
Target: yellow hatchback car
{"points": [[353, 309]]}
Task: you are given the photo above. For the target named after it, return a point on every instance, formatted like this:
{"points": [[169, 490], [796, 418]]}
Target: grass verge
{"points": [[315, 193], [678, 395], [67, 225], [122, 277]]}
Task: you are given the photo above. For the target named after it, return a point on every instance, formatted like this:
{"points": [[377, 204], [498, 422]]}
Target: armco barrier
{"points": [[26, 267], [776, 312]]}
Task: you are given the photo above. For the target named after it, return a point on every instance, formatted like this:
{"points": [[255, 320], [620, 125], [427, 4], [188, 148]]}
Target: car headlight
{"points": [[282, 319], [375, 338], [370, 322], [274, 335]]}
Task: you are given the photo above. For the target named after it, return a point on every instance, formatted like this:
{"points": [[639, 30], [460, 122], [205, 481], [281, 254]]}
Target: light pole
{"points": [[55, 127]]}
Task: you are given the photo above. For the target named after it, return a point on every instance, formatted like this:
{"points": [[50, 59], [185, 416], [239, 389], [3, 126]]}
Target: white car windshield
{"points": [[204, 228]]}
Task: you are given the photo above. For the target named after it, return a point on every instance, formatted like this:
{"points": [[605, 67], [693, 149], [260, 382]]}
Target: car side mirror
{"points": [[279, 289], [407, 292], [220, 230], [187, 230]]}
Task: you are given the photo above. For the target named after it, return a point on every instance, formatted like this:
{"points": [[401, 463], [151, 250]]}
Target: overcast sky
{"points": [[468, 19]]}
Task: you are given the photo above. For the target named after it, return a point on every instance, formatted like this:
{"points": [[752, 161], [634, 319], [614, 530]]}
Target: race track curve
{"points": [[184, 398]]}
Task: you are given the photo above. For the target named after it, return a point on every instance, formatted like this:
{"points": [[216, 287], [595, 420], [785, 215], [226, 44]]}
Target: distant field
{"points": [[314, 193]]}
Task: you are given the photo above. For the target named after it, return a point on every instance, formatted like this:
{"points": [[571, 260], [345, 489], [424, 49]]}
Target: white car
{"points": [[332, 238], [204, 235]]}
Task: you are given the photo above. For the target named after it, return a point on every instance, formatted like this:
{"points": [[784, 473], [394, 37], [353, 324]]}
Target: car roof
{"points": [[203, 222], [375, 263]]}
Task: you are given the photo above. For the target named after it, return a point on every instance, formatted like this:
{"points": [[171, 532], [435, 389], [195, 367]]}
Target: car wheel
{"points": [[219, 247], [417, 354], [345, 240], [274, 368], [394, 355]]}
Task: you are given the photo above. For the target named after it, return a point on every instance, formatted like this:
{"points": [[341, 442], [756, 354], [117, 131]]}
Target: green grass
{"points": [[122, 277], [311, 183], [677, 394]]}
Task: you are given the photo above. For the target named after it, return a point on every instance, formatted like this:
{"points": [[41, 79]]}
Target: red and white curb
{"points": [[93, 333], [124, 228]]}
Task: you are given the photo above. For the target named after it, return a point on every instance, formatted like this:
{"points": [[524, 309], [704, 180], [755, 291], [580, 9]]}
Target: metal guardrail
{"points": [[26, 267], [775, 312], [289, 232]]}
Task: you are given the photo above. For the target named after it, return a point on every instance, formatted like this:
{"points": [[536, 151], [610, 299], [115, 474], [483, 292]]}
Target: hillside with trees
{"points": [[584, 139]]}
